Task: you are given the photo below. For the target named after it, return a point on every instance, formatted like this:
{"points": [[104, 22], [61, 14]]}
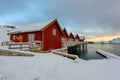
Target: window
{"points": [[14, 37], [54, 31], [31, 37], [20, 38]]}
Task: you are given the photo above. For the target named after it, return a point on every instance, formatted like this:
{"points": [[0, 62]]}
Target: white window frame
{"points": [[31, 37], [54, 31]]}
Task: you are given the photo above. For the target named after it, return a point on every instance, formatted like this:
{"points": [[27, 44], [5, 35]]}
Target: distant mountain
{"points": [[8, 26], [115, 40]]}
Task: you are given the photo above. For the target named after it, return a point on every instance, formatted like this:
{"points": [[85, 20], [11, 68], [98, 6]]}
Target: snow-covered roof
{"points": [[31, 27], [70, 33], [65, 32], [75, 35], [116, 40], [82, 37]]}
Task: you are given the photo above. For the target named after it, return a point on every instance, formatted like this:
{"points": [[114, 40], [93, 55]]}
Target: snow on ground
{"points": [[28, 68], [48, 66], [87, 70], [108, 55]]}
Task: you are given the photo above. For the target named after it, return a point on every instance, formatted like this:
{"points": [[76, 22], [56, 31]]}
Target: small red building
{"points": [[77, 38], [82, 38], [49, 32], [65, 37], [71, 37], [65, 34]]}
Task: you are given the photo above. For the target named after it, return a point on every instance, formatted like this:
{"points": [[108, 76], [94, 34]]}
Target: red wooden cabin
{"points": [[82, 38], [65, 34], [65, 37], [77, 38], [49, 32], [71, 37]]}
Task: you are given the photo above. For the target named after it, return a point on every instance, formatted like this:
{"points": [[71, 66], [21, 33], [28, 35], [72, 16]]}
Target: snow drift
{"points": [[3, 34]]}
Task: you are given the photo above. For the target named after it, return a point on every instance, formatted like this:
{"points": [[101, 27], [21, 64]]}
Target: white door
{"points": [[31, 37]]}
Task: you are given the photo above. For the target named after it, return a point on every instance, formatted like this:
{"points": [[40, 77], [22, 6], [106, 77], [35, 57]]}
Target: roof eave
{"points": [[22, 32]]}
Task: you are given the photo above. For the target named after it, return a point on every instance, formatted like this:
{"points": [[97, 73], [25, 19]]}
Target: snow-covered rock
{"points": [[3, 34], [115, 41]]}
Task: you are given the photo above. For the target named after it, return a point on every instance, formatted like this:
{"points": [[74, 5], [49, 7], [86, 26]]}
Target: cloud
{"points": [[88, 31], [105, 37], [102, 13], [101, 16]]}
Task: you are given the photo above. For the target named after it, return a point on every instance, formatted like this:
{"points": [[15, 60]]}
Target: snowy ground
{"points": [[29, 68], [48, 66]]}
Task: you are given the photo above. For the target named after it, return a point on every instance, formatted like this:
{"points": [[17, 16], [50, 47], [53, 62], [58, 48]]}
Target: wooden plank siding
{"points": [[64, 38], [52, 41], [37, 34]]}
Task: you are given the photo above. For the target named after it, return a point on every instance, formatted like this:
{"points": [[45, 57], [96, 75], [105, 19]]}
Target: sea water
{"points": [[92, 48]]}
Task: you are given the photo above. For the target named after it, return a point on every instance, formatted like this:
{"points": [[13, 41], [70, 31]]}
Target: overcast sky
{"points": [[92, 18]]}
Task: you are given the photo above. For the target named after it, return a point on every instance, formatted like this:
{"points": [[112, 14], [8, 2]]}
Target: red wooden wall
{"points": [[71, 37], [65, 34], [77, 37], [38, 36], [52, 41]]}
